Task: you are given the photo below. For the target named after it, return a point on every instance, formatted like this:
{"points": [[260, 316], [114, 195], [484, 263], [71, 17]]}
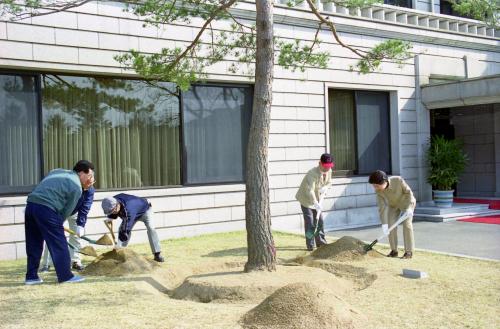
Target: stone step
{"points": [[456, 208], [453, 216]]}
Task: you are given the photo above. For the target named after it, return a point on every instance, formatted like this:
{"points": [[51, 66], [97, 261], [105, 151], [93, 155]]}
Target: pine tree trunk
{"points": [[261, 249]]}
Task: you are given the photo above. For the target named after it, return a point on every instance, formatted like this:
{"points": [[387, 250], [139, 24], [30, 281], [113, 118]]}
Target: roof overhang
{"points": [[475, 91]]}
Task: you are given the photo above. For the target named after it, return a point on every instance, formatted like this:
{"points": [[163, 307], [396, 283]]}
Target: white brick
{"points": [[408, 127], [283, 85], [277, 181], [356, 189], [284, 194], [147, 45], [19, 214], [283, 167], [366, 200], [310, 87], [10, 233], [290, 223], [293, 207], [166, 203], [229, 199], [290, 99], [294, 180], [279, 209], [55, 54], [409, 162], [190, 217], [60, 19], [344, 203], [308, 113], [317, 127], [311, 140], [335, 219], [363, 216], [215, 215], [408, 150], [118, 42], [296, 127], [277, 127], [197, 201], [3, 30], [316, 101], [238, 213], [116, 9], [30, 33], [17, 50], [77, 38], [89, 8], [277, 140], [276, 154], [306, 165], [337, 191], [98, 23], [97, 57], [20, 250], [8, 251], [133, 27], [7, 215], [176, 32], [281, 112], [297, 153]]}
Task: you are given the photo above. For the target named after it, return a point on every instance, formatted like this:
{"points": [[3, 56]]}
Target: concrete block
{"points": [[238, 213], [296, 127], [297, 153], [215, 215], [283, 167], [356, 189], [279, 209], [311, 113], [162, 204], [180, 218], [366, 200], [97, 57], [176, 32], [310, 87], [115, 9], [19, 214], [277, 181], [317, 101], [408, 138], [284, 85], [134, 27], [8, 251], [283, 112], [317, 127], [294, 180], [16, 50], [290, 99], [311, 140], [11, 233], [7, 215], [344, 203], [197, 201], [20, 250], [76, 38], [229, 199], [3, 30], [293, 208], [98, 23], [59, 54], [286, 194], [30, 33], [277, 127], [61, 19], [118, 42], [335, 219], [282, 140], [277, 154], [290, 223], [147, 45], [414, 274], [363, 216]]}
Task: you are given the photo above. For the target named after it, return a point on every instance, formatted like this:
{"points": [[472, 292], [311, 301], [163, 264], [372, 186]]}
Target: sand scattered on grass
{"points": [[303, 305], [120, 262], [346, 248]]}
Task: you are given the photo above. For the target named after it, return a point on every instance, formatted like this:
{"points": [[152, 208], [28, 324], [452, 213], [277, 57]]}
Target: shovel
{"points": [[401, 219], [87, 250], [103, 240], [110, 228], [316, 220]]}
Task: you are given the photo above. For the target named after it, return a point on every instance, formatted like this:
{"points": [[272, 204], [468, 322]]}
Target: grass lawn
{"points": [[460, 292]]}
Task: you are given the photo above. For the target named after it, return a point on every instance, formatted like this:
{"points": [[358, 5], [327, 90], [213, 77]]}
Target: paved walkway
{"points": [[461, 238]]}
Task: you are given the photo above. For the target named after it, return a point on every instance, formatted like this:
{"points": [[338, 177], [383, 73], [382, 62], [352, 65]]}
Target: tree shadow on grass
{"points": [[228, 252]]}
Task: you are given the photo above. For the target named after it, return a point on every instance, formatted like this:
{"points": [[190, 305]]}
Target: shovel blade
{"points": [[89, 251], [105, 240]]}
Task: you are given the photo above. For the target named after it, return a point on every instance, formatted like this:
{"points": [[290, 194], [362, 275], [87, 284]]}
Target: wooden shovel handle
{"points": [[110, 228]]}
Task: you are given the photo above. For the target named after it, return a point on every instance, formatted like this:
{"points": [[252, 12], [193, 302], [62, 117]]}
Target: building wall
{"points": [[85, 39]]}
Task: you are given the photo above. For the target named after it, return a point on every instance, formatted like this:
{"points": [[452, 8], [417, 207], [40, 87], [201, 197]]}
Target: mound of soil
{"points": [[346, 248], [303, 305], [237, 286], [120, 262], [359, 276]]}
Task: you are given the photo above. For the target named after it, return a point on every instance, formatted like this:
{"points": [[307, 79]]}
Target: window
{"points": [[19, 133], [216, 121], [136, 134], [359, 131]]}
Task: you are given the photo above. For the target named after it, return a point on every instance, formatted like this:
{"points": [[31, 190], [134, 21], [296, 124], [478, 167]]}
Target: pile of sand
{"points": [[303, 305], [120, 262], [344, 249]]}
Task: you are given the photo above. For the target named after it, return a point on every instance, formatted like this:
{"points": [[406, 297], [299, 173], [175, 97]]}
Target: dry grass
{"points": [[460, 293]]}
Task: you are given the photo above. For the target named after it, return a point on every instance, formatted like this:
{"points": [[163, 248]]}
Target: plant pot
{"points": [[443, 199]]}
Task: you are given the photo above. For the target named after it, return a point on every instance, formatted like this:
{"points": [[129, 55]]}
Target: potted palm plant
{"points": [[446, 161]]}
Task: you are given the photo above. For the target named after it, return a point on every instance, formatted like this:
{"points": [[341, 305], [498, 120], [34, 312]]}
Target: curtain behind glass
{"points": [[372, 112], [342, 129], [216, 121], [19, 162], [128, 129]]}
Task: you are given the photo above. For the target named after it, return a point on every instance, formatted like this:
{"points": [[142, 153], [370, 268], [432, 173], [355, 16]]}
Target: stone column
{"points": [[496, 135]]}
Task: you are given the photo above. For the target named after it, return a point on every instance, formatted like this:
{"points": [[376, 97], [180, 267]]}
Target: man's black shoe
{"points": [[393, 253]]}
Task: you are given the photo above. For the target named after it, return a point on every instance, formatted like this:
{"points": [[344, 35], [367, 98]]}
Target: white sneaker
{"points": [[33, 282]]}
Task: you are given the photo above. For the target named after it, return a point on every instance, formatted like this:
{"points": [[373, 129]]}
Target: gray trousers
{"points": [[314, 230], [77, 243], [147, 219]]}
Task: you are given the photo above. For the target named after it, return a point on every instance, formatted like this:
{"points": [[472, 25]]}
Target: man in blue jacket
{"points": [[50, 203], [76, 222], [131, 209]]}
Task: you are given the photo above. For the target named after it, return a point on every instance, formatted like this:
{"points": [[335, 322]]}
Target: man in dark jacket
{"points": [[131, 209]]}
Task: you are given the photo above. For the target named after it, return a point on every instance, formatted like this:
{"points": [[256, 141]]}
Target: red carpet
{"points": [[494, 204], [484, 220]]}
